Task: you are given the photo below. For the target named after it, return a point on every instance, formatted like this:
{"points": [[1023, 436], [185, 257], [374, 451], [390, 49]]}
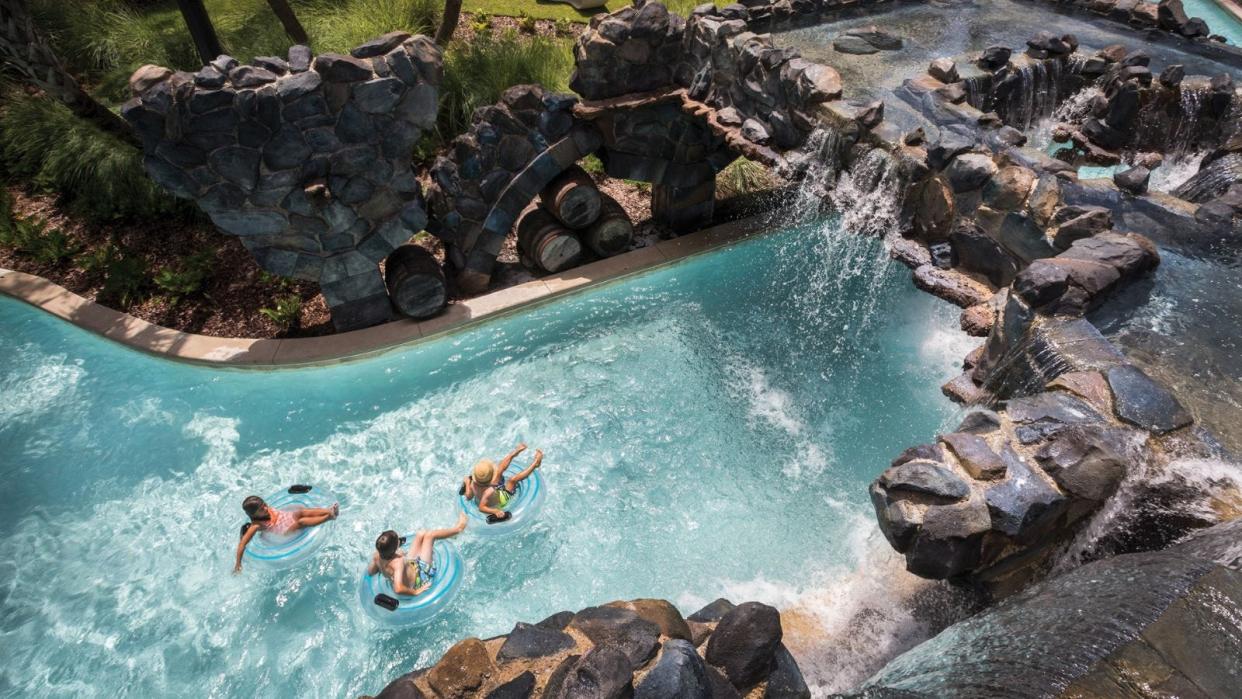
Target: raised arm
{"points": [[504, 463], [241, 546]]}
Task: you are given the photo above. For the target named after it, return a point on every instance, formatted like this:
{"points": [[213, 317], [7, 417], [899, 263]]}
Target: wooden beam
{"points": [[201, 30]]}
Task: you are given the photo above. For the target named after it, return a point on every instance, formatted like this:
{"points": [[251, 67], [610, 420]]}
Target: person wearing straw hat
{"points": [[487, 485]]}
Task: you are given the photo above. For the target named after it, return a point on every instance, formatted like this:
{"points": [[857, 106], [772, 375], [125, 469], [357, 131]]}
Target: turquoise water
{"points": [[710, 429], [1218, 20]]}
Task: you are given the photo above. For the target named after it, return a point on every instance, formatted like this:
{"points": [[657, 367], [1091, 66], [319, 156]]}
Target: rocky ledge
{"points": [[640, 648]]}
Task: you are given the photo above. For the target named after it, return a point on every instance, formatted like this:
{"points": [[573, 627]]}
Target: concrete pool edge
{"points": [[255, 353]]}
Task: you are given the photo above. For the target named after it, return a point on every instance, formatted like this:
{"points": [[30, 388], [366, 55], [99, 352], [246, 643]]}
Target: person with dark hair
{"points": [[411, 571], [487, 486], [265, 518]]}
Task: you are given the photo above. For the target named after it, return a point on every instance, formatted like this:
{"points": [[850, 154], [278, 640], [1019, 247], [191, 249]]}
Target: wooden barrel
{"points": [[572, 198], [612, 232], [545, 242], [415, 281]]}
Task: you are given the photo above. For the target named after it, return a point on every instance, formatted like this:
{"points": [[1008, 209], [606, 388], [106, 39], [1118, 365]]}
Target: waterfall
{"points": [[1071, 111], [1156, 504], [1040, 90]]}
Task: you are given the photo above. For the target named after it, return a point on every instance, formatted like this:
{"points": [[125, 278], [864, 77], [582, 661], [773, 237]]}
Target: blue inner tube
{"points": [[420, 609], [523, 505], [279, 551]]}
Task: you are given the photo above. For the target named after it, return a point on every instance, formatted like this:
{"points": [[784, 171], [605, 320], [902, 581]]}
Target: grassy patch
{"points": [[98, 175], [546, 9], [476, 73], [744, 176]]}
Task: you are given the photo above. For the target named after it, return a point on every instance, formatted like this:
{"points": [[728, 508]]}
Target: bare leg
{"points": [[328, 511], [306, 519], [425, 540], [511, 484]]}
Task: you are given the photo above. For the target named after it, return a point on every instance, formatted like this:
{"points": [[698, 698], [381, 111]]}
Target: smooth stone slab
{"points": [[925, 477], [1140, 401]]}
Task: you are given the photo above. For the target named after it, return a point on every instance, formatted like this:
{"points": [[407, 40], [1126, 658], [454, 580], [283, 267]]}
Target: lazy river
{"points": [[710, 428]]}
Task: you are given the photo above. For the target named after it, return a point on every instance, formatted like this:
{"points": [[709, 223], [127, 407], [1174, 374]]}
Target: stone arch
{"points": [[307, 160], [520, 144]]}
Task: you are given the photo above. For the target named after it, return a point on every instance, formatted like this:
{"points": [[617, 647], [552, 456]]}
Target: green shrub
{"points": [[126, 281], [285, 312], [99, 175], [476, 74], [526, 23], [95, 262], [187, 277], [33, 237], [482, 24], [744, 176]]}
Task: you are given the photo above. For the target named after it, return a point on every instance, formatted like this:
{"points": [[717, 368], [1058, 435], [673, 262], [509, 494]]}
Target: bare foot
{"points": [[538, 458], [336, 509]]}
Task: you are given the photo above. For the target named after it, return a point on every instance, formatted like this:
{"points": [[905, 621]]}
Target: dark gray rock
{"points": [[337, 68], [1128, 254], [754, 131], [978, 252], [251, 76], [950, 539], [873, 35], [979, 422], [527, 641], [975, 455], [619, 629], [1086, 461], [926, 477], [853, 45], [1023, 504], [556, 680], [744, 643], [519, 687], [786, 681], [714, 611], [237, 165], [994, 58], [1133, 180], [1089, 221], [970, 171], [402, 688], [946, 148], [603, 673], [379, 45], [557, 621], [299, 58], [680, 672], [209, 78], [1172, 75], [298, 86], [1144, 403], [1041, 283], [378, 96]]}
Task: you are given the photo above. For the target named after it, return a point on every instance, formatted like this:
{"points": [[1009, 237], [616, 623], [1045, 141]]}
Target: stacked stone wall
{"points": [[307, 160]]}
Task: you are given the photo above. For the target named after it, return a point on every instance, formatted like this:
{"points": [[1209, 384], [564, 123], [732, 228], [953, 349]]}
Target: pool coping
{"points": [[256, 353]]}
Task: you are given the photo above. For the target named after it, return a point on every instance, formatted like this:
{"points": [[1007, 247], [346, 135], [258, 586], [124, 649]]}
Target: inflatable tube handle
{"points": [[504, 517], [299, 489], [389, 603]]}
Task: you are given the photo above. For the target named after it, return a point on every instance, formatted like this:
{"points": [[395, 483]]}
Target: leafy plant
{"points": [[482, 24], [187, 278], [526, 23], [95, 262], [564, 27], [126, 280], [285, 312], [33, 237]]}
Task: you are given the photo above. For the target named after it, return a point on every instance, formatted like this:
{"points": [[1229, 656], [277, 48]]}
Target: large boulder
{"points": [[462, 670], [527, 641], [603, 673], [680, 672], [744, 643], [620, 629]]}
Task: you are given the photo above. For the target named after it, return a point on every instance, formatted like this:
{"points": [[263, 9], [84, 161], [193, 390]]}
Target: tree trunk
{"points": [[204, 34], [27, 53], [448, 24], [290, 21]]}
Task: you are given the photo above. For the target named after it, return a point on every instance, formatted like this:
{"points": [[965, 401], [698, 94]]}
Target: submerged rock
{"points": [[1133, 180]]}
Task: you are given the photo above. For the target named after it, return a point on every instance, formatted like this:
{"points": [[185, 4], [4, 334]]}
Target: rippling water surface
{"points": [[710, 429]]}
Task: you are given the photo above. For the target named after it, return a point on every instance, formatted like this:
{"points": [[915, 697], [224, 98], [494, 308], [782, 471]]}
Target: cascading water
{"points": [[1074, 109]]}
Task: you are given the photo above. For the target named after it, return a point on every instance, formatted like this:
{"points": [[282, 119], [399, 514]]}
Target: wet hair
{"points": [[387, 544], [255, 508]]}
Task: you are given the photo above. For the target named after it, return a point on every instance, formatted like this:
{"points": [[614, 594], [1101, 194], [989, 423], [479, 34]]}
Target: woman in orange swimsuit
{"points": [[281, 522]]}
